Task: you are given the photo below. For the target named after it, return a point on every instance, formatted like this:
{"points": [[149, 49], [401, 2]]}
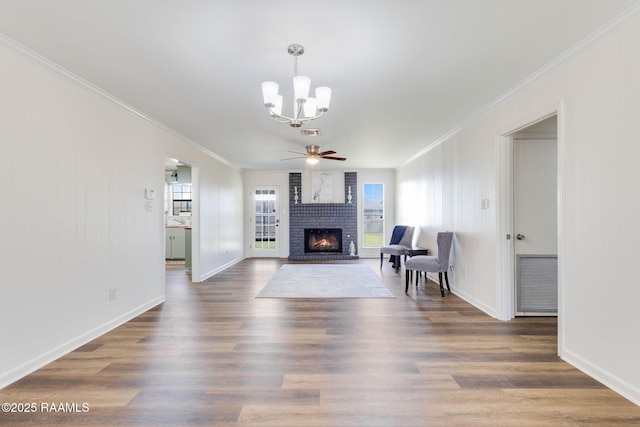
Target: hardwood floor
{"points": [[214, 355]]}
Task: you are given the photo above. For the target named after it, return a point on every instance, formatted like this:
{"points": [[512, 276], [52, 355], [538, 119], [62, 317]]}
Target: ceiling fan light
{"points": [[312, 160], [323, 95], [310, 107], [301, 85], [269, 92]]}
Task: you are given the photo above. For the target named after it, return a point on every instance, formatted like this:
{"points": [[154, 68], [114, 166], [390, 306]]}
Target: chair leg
{"points": [[381, 256], [406, 281], [446, 279], [441, 284]]}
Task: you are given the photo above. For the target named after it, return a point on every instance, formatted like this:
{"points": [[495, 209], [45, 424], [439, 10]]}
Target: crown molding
{"points": [[36, 57], [609, 28]]}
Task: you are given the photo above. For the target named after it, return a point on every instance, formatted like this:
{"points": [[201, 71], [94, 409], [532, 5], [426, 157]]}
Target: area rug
{"points": [[325, 281]]}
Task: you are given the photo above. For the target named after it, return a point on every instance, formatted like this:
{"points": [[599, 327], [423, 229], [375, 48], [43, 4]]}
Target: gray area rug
{"points": [[325, 281]]}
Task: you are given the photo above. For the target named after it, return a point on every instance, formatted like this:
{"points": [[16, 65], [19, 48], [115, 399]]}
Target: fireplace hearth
{"points": [[322, 240]]}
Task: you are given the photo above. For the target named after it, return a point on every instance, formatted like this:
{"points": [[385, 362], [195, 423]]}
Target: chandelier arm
{"points": [[280, 118], [295, 122], [300, 107], [285, 119], [308, 119]]}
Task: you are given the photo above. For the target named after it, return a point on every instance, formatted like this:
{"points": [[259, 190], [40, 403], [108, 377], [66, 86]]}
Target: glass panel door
{"points": [[266, 222]]}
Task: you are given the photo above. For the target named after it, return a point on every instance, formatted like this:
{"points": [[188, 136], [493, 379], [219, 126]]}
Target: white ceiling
{"points": [[403, 72]]}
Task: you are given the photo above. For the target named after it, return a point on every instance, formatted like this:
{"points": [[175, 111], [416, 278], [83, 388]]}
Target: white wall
{"points": [[220, 217], [73, 219], [597, 93]]}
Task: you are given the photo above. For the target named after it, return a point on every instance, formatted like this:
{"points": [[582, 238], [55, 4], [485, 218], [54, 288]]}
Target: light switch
{"points": [[485, 203], [149, 193]]}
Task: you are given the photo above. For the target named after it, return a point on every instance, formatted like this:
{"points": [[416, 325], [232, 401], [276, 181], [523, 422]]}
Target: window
{"points": [[181, 197], [373, 215]]}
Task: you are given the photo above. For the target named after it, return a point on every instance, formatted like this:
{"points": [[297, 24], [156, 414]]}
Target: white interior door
{"points": [[535, 226], [265, 222]]}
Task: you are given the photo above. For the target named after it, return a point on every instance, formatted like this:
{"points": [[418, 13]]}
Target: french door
{"points": [[265, 220]]}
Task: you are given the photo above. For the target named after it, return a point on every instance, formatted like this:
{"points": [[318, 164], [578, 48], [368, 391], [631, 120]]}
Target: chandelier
{"points": [[305, 108]]}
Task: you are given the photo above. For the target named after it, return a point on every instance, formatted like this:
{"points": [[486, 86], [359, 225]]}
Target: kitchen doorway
{"points": [[179, 214]]}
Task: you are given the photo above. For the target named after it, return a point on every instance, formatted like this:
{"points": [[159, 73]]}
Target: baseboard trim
{"points": [[217, 270], [620, 386], [474, 302], [38, 362]]}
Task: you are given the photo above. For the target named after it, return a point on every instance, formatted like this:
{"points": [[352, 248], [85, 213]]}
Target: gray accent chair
{"points": [[431, 264], [399, 245]]}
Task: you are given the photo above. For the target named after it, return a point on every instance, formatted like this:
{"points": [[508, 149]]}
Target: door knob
{"points": [[520, 236]]}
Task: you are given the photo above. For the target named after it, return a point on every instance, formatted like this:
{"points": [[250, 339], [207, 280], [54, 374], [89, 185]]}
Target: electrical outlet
{"points": [[112, 294], [464, 272]]}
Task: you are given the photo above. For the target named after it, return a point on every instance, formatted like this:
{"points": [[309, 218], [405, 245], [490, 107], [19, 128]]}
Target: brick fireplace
{"points": [[322, 217]]}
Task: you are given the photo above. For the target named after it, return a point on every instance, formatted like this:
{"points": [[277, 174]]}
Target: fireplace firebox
{"points": [[322, 240]]}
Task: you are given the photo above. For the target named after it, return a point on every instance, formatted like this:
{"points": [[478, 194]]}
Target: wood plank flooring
{"points": [[214, 355]]}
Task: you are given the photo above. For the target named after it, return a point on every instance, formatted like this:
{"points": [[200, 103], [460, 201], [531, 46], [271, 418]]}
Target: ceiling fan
{"points": [[313, 155]]}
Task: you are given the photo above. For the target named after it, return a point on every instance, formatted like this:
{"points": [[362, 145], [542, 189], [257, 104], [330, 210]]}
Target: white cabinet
{"points": [[175, 243]]}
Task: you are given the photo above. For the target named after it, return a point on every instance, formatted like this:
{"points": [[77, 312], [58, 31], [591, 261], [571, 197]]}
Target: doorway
{"points": [[545, 125], [535, 213], [265, 220], [180, 189]]}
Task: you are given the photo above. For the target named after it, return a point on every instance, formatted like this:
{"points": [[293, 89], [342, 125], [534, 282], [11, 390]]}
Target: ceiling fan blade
{"points": [[334, 158], [296, 152], [292, 158], [324, 153]]}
